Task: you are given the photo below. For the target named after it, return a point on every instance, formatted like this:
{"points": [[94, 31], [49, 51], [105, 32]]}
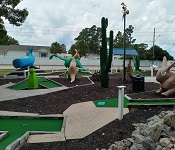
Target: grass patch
{"points": [[18, 126], [41, 81], [152, 102], [112, 102], [5, 71]]}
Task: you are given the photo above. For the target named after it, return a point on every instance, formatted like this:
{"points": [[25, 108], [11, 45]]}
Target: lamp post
{"points": [[154, 40]]}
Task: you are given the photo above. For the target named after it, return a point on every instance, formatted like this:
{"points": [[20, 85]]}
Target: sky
{"points": [[61, 21]]}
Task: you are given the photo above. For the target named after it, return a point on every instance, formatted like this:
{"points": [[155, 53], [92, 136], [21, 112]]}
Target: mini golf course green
{"points": [[113, 102], [42, 81], [18, 126]]}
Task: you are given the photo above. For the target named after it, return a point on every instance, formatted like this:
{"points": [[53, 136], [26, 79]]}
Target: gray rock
{"points": [[143, 129], [136, 146], [169, 120], [157, 134], [119, 145], [166, 128], [153, 118], [138, 138], [127, 142], [149, 144], [159, 147]]}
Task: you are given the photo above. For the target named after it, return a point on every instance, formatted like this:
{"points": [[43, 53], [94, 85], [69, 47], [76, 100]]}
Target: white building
{"points": [[18, 51]]}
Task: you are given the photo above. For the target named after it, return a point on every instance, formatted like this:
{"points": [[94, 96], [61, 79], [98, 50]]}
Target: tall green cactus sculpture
{"points": [[137, 63], [105, 58], [137, 59]]}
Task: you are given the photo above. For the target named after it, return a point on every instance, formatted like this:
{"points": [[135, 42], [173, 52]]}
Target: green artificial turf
{"points": [[47, 83], [41, 81], [20, 86], [18, 126], [137, 73], [152, 102], [112, 102]]}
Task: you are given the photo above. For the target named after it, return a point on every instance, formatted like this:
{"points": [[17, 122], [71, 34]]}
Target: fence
{"points": [[85, 62]]}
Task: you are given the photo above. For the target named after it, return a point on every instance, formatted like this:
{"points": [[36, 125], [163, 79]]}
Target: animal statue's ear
{"points": [[77, 51], [164, 63]]}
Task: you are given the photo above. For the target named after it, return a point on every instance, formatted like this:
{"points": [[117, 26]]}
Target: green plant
{"points": [[105, 59]]}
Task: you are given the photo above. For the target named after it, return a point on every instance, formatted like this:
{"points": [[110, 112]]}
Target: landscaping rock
{"points": [[157, 134], [170, 120]]}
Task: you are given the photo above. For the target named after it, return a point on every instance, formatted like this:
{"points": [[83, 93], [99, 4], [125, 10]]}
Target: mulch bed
{"points": [[58, 102]]}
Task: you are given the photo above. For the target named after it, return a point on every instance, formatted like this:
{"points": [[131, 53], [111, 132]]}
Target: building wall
{"points": [[16, 54]]}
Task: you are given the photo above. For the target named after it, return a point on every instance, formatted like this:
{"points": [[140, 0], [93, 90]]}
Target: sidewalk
{"points": [[151, 79], [9, 94], [82, 119]]}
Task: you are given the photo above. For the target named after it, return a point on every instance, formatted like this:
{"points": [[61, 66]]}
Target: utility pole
{"points": [[154, 40], [153, 44]]}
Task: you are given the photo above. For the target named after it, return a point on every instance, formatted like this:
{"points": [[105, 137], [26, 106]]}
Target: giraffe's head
{"points": [[77, 56]]}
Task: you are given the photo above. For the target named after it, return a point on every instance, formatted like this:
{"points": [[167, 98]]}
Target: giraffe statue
{"points": [[73, 70]]}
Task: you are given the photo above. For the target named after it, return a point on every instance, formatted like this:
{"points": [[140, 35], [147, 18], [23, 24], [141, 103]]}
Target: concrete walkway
{"points": [[82, 119], [151, 79], [85, 118], [9, 94]]}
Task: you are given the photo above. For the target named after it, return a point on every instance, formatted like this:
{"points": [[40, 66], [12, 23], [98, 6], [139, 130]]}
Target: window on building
{"points": [[43, 55]]}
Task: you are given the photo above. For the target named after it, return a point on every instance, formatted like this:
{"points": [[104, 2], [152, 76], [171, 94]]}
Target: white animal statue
{"points": [[73, 69], [166, 78]]}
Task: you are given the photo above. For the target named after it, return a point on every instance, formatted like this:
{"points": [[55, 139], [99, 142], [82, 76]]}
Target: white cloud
{"points": [[61, 21]]}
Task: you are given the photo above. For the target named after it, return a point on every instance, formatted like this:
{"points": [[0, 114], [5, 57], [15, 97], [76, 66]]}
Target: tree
{"points": [[14, 16], [92, 37], [118, 40], [3, 32], [129, 38], [141, 50], [72, 49], [8, 40], [8, 11], [4, 38], [81, 46], [159, 53], [57, 48]]}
